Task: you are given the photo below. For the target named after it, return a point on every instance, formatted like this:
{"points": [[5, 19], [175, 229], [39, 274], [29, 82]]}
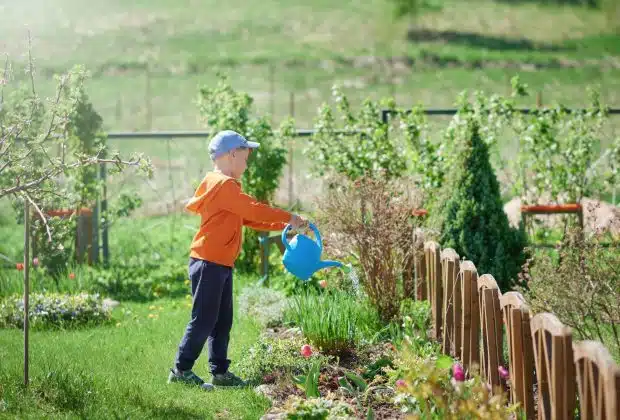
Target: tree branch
{"points": [[58, 170], [47, 227]]}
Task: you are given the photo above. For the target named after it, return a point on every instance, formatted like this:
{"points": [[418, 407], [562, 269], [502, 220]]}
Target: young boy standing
{"points": [[223, 209]]}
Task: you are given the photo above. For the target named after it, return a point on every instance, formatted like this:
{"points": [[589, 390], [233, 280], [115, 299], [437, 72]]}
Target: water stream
{"points": [[355, 280]]}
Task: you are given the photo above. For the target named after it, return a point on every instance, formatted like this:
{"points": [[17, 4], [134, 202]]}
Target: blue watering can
{"points": [[302, 256]]}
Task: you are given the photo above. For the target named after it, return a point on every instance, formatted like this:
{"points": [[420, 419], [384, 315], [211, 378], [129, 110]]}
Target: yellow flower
{"points": [[187, 282], [152, 307], [153, 316], [188, 297], [118, 324]]}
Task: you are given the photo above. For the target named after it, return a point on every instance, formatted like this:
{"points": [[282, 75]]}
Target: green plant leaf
{"points": [[444, 362], [370, 414], [357, 380]]}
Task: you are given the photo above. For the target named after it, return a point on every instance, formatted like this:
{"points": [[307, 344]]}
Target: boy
{"points": [[223, 209]]}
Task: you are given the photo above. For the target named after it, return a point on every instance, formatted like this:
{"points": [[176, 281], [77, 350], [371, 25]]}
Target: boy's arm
{"points": [[262, 226], [232, 199]]}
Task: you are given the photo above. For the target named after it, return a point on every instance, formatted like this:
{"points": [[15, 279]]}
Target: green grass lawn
{"points": [[119, 371]]}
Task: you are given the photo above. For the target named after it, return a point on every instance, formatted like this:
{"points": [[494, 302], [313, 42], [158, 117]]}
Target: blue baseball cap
{"points": [[228, 140]]}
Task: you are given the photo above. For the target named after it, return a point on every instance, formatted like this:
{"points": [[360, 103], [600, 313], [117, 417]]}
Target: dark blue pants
{"points": [[212, 316]]}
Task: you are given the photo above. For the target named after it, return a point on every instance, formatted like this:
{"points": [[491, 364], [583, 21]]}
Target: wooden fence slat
{"points": [[555, 369], [420, 276], [491, 323], [520, 350], [471, 316], [449, 274], [433, 275], [598, 381]]}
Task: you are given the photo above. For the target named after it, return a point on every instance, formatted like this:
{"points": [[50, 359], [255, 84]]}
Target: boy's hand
{"points": [[297, 222]]}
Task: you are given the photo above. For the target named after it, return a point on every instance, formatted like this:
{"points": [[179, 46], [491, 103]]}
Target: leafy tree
{"points": [[360, 147], [50, 151], [223, 108], [44, 145], [473, 219]]}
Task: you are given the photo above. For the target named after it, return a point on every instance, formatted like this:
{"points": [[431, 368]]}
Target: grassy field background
{"points": [[148, 60]]}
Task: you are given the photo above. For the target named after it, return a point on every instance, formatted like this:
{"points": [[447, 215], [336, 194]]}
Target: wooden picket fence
{"points": [[473, 321]]}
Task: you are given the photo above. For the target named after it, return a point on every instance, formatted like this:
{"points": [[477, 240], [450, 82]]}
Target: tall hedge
{"points": [[473, 221]]}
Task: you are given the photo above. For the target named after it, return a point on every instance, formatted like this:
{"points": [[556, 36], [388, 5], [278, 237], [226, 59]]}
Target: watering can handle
{"points": [[312, 226], [318, 235], [284, 241]]}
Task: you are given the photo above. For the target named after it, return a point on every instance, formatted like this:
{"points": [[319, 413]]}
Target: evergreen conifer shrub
{"points": [[472, 218]]}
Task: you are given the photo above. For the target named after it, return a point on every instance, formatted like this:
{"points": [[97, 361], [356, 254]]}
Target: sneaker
{"points": [[189, 378], [228, 379]]}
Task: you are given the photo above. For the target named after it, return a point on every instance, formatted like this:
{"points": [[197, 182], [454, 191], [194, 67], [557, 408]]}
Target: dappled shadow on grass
{"points": [[472, 39]]}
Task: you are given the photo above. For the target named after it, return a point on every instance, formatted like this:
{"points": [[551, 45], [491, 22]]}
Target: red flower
{"points": [[457, 372], [306, 351], [35, 261], [323, 283], [71, 276], [400, 383], [503, 372], [19, 266]]}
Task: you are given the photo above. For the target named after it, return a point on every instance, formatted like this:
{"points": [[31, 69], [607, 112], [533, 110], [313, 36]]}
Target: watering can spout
{"points": [[328, 263]]}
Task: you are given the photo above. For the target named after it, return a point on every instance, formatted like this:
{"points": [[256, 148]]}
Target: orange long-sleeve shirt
{"points": [[224, 209]]}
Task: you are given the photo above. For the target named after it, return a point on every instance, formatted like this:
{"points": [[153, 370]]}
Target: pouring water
{"points": [[355, 281]]}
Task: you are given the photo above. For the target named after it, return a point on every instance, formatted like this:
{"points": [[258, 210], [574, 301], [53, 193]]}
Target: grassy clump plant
{"points": [[334, 321]]}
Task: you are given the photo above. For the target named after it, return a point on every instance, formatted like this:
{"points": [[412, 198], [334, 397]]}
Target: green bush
{"points": [[334, 321], [270, 358], [265, 305], [472, 217], [580, 283], [54, 310], [369, 152]]}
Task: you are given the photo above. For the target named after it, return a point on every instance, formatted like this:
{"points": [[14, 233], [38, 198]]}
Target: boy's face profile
{"points": [[239, 161]]}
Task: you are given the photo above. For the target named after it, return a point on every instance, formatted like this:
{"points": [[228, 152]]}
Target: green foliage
{"points": [[429, 160], [558, 154], [473, 220], [360, 146], [263, 304], [427, 391], [317, 409], [270, 358], [54, 310], [49, 157], [333, 320], [223, 108], [580, 284], [310, 381]]}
